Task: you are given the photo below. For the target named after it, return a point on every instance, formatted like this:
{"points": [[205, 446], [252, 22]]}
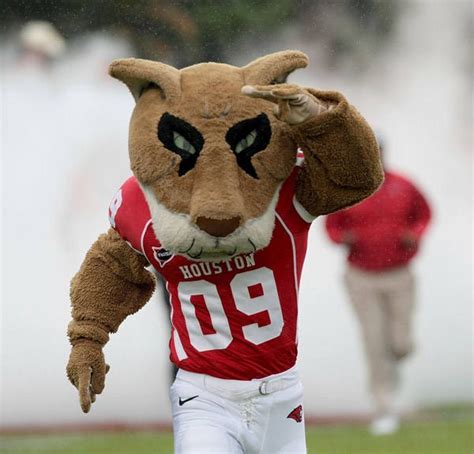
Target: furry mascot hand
{"points": [[294, 104], [86, 370], [111, 285]]}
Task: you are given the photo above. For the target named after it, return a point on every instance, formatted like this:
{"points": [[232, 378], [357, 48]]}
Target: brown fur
{"points": [[342, 164], [274, 67], [211, 101], [137, 74], [341, 168], [111, 284]]}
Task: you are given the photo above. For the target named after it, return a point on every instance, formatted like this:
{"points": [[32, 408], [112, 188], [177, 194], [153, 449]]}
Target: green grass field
{"points": [[435, 437]]}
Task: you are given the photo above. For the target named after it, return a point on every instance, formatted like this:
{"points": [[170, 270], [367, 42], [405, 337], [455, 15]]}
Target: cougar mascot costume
{"points": [[230, 166]]}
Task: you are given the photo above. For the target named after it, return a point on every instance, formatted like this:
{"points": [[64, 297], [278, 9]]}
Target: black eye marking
{"points": [[247, 138], [181, 138]]}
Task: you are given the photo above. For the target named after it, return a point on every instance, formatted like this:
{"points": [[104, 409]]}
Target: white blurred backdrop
{"points": [[64, 154]]}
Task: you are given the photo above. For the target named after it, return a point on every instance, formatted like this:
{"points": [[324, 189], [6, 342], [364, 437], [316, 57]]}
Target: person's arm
{"points": [[419, 217], [339, 228], [111, 285], [342, 161]]}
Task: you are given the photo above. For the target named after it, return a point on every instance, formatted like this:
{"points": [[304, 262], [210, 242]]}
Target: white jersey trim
{"points": [[178, 345], [142, 237], [299, 157], [307, 217], [298, 207], [295, 272], [131, 247], [293, 247]]}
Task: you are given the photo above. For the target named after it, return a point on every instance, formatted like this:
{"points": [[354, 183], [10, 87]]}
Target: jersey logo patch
{"points": [[162, 256], [297, 414]]}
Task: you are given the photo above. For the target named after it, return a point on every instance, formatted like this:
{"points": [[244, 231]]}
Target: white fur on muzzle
{"points": [[179, 235]]}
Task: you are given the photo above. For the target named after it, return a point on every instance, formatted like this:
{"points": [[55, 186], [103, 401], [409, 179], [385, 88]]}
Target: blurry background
{"points": [[406, 65]]}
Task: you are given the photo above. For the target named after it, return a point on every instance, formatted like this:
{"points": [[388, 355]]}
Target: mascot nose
{"points": [[218, 227]]}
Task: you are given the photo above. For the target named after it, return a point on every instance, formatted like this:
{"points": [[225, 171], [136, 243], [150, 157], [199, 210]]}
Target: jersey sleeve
{"points": [[129, 214]]}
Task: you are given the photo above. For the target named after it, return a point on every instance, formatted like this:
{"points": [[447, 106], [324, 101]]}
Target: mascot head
{"points": [[209, 159]]}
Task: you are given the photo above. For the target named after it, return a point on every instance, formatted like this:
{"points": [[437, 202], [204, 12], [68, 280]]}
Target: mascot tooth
{"points": [[220, 204]]}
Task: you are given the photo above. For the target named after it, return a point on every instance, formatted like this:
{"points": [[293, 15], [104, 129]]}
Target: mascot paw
{"points": [[86, 371], [294, 104]]}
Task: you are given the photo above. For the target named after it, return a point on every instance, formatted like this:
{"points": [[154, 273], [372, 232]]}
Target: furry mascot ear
{"points": [[138, 74], [274, 68]]}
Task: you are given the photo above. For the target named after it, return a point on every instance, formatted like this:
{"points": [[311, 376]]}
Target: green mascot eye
{"points": [[182, 138], [182, 143], [248, 140]]}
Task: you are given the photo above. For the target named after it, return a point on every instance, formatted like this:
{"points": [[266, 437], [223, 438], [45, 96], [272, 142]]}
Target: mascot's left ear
{"points": [[139, 74], [274, 68]]}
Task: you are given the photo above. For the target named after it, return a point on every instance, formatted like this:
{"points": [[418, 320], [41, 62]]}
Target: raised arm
{"points": [[342, 163], [337, 226], [111, 284], [420, 214], [418, 218]]}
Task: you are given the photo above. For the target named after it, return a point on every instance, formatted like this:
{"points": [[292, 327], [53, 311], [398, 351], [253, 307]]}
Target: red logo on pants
{"points": [[297, 414]]}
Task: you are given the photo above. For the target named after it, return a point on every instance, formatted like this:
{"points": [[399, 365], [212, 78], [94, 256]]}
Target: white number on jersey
{"points": [[253, 291], [207, 293], [263, 281]]}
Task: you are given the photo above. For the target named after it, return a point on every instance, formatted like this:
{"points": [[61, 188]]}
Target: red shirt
{"points": [[379, 223], [234, 319]]}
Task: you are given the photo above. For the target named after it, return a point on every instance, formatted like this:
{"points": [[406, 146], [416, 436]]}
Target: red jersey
{"points": [[379, 223], [234, 319]]}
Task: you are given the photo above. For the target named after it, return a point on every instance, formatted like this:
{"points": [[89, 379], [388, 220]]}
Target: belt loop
{"points": [[262, 389]]}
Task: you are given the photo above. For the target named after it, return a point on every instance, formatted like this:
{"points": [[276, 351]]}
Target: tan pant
{"points": [[383, 303]]}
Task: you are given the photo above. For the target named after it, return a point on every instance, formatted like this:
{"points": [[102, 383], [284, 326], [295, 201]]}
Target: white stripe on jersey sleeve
{"points": [[307, 217], [142, 237], [178, 345], [298, 207], [299, 157]]}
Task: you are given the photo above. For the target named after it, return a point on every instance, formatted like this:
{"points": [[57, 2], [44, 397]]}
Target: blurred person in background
{"points": [[41, 43], [382, 235]]}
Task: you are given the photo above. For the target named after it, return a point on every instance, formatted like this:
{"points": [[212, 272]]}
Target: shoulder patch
{"points": [[162, 256]]}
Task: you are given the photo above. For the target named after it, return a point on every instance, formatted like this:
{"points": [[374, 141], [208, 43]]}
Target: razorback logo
{"points": [[162, 256], [297, 414]]}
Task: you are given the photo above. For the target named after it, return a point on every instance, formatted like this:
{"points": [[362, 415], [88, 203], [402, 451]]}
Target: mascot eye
{"points": [[247, 138], [246, 141], [182, 143], [181, 138]]}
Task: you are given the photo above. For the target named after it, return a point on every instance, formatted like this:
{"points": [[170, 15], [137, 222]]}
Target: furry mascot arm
{"points": [[342, 163], [111, 284]]}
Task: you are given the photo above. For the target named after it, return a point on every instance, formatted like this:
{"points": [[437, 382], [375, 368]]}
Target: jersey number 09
{"points": [[219, 335]]}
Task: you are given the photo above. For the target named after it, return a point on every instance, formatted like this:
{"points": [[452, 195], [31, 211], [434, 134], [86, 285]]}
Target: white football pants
{"points": [[213, 415]]}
